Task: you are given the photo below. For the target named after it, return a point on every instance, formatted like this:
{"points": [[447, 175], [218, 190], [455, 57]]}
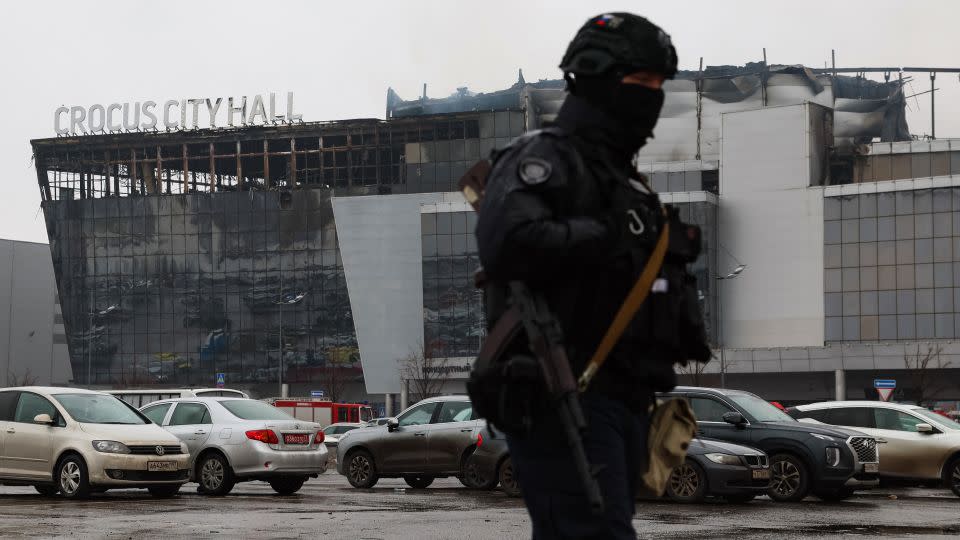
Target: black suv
{"points": [[830, 462]]}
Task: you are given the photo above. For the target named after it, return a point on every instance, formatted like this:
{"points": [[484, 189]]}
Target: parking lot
{"points": [[328, 507]]}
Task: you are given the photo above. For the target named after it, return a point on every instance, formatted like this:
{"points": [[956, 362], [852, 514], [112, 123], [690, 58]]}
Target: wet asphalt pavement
{"points": [[329, 508]]}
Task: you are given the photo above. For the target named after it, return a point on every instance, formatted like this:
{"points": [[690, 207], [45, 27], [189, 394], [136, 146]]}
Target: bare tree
{"points": [[334, 377], [425, 372], [693, 370], [27, 379], [926, 382]]}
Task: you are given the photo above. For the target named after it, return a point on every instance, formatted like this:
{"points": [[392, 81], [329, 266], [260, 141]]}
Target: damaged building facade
{"points": [[275, 253]]}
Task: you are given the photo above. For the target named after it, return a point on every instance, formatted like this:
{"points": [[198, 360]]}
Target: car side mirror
{"points": [[393, 424], [734, 418], [43, 419], [924, 428]]}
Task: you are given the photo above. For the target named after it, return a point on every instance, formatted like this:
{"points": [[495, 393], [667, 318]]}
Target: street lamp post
{"points": [[720, 341], [280, 370], [295, 299], [89, 339]]}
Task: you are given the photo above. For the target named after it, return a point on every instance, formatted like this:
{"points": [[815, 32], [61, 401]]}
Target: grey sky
{"points": [[340, 57]]}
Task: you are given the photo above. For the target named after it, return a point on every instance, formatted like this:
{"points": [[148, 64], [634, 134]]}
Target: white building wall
{"points": [[28, 294], [380, 244], [772, 221]]}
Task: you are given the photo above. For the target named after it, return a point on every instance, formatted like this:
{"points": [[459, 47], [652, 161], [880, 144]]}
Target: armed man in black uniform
{"points": [[566, 212]]}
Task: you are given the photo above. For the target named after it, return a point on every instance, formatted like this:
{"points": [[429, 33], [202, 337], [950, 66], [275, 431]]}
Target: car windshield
{"points": [[248, 409], [938, 418], [99, 409], [759, 409]]}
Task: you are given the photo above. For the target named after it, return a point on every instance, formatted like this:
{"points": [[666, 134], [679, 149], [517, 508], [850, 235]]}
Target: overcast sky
{"points": [[340, 57]]}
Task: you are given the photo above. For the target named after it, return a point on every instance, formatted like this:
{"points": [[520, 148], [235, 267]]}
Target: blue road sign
{"points": [[221, 379], [884, 383], [316, 393]]}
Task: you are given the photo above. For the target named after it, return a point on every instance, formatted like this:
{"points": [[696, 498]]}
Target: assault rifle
{"points": [[530, 312], [546, 342]]}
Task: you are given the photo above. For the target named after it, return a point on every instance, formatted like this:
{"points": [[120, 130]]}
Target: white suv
{"points": [[919, 444]]}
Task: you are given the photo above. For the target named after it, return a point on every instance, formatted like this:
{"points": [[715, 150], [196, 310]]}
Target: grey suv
{"points": [[831, 462], [430, 439]]}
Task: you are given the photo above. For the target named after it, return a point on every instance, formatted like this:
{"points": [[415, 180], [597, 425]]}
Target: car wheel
{"points": [[46, 490], [789, 479], [361, 472], [952, 476], [215, 475], [740, 498], [164, 492], [508, 479], [418, 482], [287, 485], [72, 479], [834, 495], [474, 478], [687, 483]]}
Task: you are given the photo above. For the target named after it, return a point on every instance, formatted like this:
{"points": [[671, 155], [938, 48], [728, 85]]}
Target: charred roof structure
{"points": [[365, 156], [689, 125]]}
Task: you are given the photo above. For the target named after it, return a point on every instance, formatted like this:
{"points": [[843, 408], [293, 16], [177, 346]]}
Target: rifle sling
{"points": [[638, 294]]}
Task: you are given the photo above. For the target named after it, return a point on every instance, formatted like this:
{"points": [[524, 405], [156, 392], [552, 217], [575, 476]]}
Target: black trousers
{"points": [[615, 440]]}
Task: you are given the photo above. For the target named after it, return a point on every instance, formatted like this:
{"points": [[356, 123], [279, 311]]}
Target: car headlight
{"points": [[833, 456], [824, 437], [724, 459], [110, 447]]}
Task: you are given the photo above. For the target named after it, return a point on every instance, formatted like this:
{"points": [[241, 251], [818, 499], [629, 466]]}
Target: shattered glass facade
{"points": [[176, 289], [182, 255], [453, 321], [705, 268]]}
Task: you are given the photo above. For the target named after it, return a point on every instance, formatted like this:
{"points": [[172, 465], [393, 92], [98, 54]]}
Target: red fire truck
{"points": [[323, 411]]}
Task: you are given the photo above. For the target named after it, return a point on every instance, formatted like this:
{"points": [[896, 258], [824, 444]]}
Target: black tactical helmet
{"points": [[620, 42]]}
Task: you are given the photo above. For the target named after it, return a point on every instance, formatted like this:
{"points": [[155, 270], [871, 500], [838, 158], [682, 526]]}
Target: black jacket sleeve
{"points": [[522, 234]]}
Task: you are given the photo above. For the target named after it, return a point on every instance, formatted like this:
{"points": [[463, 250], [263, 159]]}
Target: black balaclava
{"points": [[633, 109]]}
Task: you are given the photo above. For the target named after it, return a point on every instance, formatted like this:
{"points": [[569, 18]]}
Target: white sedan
{"points": [[234, 440]]}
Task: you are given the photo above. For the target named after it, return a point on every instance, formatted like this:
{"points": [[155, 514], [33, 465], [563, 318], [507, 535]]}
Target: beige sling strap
{"points": [[629, 307]]}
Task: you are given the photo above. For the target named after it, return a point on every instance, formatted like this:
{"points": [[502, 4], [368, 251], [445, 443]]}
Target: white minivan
{"points": [[144, 396], [74, 442]]}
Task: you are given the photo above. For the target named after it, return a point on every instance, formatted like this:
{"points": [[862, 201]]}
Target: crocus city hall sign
{"points": [[174, 114]]}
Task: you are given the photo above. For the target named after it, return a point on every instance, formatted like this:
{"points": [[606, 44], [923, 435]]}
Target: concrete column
{"points": [[284, 390], [388, 408], [840, 382], [403, 394]]}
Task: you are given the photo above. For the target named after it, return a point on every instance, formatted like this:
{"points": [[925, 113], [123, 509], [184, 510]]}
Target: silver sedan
{"points": [[234, 440]]}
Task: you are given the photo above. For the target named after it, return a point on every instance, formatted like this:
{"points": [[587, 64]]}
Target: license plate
{"points": [[761, 474], [871, 467], [155, 466], [296, 438]]}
